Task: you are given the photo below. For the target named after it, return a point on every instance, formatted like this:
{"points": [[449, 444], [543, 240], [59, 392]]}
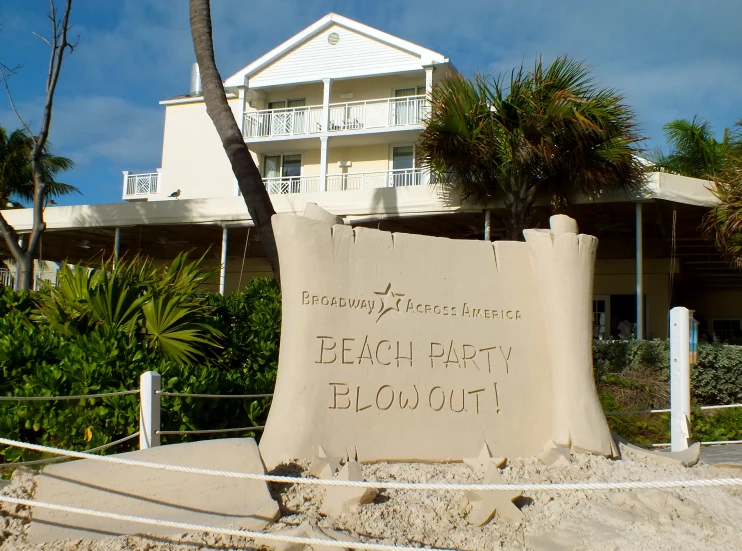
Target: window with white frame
{"points": [[282, 173]]}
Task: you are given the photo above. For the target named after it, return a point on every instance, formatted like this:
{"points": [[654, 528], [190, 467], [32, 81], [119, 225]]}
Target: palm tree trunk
{"points": [[248, 176], [519, 205]]}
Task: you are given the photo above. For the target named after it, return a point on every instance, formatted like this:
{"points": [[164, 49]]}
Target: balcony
{"points": [[292, 121], [354, 117], [377, 114], [380, 179], [347, 182], [6, 279], [139, 186], [292, 184]]}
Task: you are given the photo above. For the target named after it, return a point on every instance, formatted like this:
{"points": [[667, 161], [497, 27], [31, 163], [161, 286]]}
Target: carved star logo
{"points": [[389, 301]]}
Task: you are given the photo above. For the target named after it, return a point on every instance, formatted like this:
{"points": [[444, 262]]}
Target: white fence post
{"points": [[679, 378], [149, 409]]}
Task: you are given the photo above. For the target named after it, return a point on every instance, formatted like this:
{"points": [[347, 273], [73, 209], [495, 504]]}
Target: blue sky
{"points": [[671, 58]]}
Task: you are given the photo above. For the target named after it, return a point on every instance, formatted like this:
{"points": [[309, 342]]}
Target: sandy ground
{"points": [[646, 520]]}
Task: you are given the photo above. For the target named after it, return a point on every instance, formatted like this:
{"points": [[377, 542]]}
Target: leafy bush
{"points": [[85, 342], [635, 375], [157, 306]]}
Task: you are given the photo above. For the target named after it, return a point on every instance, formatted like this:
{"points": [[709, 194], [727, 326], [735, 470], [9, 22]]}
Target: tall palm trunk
{"points": [[518, 201], [248, 176]]}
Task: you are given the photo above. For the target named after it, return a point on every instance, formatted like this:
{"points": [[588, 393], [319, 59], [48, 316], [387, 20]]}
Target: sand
{"points": [[650, 520]]}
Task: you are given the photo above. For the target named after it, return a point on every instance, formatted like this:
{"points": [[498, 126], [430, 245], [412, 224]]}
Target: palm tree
{"points": [[16, 173], [549, 131], [694, 150], [248, 176]]}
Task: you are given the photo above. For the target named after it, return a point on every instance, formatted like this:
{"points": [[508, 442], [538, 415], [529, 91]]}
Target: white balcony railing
{"points": [[291, 121], [292, 184], [139, 185], [368, 180], [6, 280], [357, 115], [381, 113]]}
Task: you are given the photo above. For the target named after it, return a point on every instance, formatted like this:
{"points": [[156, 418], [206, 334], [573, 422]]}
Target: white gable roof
{"points": [[368, 49]]}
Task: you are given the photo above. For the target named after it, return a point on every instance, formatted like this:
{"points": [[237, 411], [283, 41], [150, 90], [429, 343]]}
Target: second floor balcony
{"points": [[352, 117], [347, 182], [140, 185]]}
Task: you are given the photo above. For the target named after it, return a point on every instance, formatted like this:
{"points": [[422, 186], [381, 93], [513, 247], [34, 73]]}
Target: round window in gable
{"points": [[333, 38]]}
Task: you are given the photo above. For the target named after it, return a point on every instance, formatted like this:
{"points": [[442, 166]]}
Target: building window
{"points": [[407, 108], [286, 119], [282, 173], [728, 330], [403, 166]]}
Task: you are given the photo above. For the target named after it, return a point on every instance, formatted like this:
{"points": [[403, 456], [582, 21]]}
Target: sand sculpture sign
{"points": [[403, 347]]}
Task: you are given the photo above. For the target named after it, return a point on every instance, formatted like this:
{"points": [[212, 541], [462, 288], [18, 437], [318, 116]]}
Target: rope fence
{"points": [[63, 458], [55, 398], [524, 487], [210, 431], [214, 530], [645, 411], [183, 395]]}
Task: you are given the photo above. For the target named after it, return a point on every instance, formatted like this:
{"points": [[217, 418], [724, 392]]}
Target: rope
{"points": [[524, 487], [211, 529], [53, 459], [182, 395], [210, 431], [702, 408], [50, 398]]}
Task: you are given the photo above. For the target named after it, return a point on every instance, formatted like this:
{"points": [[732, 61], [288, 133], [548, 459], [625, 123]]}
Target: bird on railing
{"points": [[175, 194]]}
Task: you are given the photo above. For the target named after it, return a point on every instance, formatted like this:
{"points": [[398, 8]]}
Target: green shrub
{"points": [[105, 353], [635, 375], [159, 307]]}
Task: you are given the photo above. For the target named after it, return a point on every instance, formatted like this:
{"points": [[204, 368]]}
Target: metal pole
{"points": [[150, 383], [639, 276], [223, 270], [679, 378], [487, 225], [116, 243]]}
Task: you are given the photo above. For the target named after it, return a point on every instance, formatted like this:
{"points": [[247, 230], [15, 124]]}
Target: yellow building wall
{"points": [[368, 158], [193, 159], [373, 88], [716, 304], [618, 277]]}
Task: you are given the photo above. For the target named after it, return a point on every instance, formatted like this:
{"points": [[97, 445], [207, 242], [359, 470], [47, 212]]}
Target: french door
{"points": [[282, 173]]}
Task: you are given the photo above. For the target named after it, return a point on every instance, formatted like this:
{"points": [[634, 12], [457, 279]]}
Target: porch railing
{"points": [[380, 113], [6, 279], [292, 184], [283, 122], [380, 179], [140, 185], [356, 115]]}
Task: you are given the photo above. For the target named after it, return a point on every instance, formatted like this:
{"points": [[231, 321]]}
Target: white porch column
{"points": [[223, 268], [126, 182], [326, 104], [639, 276], [323, 163], [243, 107], [429, 79]]}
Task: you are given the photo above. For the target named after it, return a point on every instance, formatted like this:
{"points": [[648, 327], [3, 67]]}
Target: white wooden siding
{"points": [[316, 59]]}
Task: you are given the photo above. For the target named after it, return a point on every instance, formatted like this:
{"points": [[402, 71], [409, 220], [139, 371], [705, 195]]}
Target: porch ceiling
{"points": [[90, 245]]}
